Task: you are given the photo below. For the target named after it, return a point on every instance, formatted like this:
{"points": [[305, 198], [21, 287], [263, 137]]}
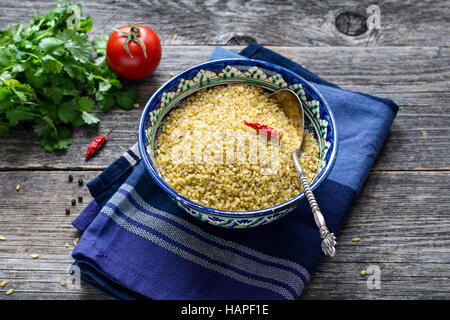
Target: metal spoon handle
{"points": [[329, 240]]}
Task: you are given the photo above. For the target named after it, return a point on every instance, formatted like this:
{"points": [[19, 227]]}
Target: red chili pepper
{"points": [[270, 132], [97, 143]]}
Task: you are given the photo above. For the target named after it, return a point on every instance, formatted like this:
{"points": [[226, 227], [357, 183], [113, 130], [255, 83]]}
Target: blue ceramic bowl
{"points": [[318, 120]]}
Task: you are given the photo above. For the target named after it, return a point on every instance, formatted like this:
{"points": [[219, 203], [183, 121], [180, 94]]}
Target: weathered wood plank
{"points": [[401, 220], [415, 78], [31, 295], [400, 216], [295, 23], [403, 230]]}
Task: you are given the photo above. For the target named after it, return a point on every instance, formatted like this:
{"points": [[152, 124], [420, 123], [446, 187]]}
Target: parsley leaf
{"points": [[52, 45], [86, 103], [105, 102], [126, 99], [60, 140], [68, 111], [80, 48], [16, 115], [50, 74], [4, 56], [4, 92], [50, 64], [89, 118], [45, 126]]}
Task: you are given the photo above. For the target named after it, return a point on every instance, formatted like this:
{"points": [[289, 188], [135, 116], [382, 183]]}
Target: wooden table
{"points": [[402, 213]]}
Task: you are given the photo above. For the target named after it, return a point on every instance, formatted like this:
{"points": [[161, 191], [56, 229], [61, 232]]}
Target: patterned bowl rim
{"points": [[226, 213]]}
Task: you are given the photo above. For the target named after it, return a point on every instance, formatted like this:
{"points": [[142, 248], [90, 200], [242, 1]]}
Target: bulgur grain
{"points": [[192, 150]]}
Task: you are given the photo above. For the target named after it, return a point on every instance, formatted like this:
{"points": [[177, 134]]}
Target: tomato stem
{"points": [[132, 35]]}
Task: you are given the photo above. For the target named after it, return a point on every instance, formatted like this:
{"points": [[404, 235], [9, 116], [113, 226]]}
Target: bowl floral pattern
{"points": [[318, 120]]}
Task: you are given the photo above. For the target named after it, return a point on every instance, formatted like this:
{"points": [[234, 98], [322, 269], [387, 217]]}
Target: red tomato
{"points": [[134, 64]]}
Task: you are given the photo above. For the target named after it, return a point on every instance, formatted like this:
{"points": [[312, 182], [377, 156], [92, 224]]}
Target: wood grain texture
{"points": [[294, 23], [402, 231], [33, 220], [417, 79], [402, 212], [402, 219]]}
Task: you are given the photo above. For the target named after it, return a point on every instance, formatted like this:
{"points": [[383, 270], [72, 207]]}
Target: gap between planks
{"points": [[237, 47], [63, 168]]}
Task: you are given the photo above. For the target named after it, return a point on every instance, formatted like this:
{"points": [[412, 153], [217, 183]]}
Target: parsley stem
{"points": [[7, 68], [44, 34], [33, 55], [11, 65], [32, 103], [98, 77], [30, 113]]}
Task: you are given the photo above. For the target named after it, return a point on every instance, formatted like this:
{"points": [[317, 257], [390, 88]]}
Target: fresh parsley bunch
{"points": [[52, 76]]}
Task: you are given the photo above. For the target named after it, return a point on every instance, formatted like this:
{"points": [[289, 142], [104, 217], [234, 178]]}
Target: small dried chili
{"points": [[270, 132], [97, 143]]}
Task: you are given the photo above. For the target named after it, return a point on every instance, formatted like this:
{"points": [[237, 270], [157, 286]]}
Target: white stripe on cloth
{"points": [[191, 257], [194, 243], [226, 243], [135, 150]]}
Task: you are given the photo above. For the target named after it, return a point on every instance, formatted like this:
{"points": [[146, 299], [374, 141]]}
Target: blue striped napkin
{"points": [[137, 243]]}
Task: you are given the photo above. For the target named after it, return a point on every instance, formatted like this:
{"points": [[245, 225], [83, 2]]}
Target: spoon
{"points": [[292, 106]]}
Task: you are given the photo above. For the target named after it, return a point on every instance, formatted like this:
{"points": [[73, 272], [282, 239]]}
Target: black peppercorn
{"points": [[70, 178], [74, 202], [80, 182], [80, 199], [67, 211]]}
